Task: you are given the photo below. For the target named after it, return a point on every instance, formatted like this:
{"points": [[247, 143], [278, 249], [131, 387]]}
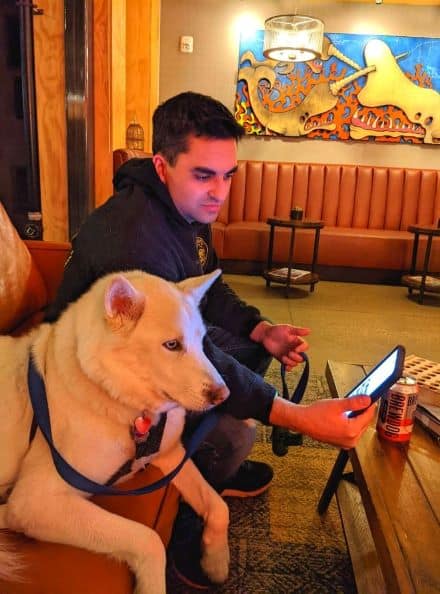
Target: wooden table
{"points": [[400, 490], [423, 282], [288, 279]]}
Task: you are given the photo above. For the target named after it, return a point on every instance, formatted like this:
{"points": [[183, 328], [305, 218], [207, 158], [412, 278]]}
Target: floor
{"points": [[350, 322]]}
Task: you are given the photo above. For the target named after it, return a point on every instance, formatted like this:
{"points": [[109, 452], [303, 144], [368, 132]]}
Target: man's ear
{"points": [[123, 303], [160, 166]]}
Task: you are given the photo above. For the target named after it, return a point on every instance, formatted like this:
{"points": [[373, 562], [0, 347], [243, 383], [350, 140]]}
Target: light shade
{"points": [[293, 38]]}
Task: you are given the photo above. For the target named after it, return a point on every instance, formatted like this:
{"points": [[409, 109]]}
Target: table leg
{"points": [[315, 255], [333, 481], [289, 261], [425, 268], [414, 258], [270, 253]]}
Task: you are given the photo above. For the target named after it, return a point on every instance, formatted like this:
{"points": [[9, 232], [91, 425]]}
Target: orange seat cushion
{"points": [[61, 569]]}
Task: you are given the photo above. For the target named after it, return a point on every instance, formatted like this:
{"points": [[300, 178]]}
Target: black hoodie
{"points": [[140, 228]]}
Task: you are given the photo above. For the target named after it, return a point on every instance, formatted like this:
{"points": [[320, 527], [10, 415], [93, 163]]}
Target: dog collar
{"points": [[147, 438], [148, 442]]}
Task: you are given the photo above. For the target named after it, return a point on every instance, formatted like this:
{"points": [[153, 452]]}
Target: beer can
{"points": [[395, 420]]}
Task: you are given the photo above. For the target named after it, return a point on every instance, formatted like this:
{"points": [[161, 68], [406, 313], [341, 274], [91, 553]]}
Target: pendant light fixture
{"points": [[293, 38]]}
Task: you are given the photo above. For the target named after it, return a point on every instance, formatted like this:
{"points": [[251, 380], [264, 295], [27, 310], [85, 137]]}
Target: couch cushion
{"points": [[22, 289], [122, 155], [339, 246], [60, 569]]}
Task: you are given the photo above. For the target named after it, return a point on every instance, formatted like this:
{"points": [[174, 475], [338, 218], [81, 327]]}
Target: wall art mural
{"points": [[365, 87]]}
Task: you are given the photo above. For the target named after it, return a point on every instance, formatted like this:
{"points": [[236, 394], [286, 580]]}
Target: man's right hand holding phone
{"points": [[326, 420]]}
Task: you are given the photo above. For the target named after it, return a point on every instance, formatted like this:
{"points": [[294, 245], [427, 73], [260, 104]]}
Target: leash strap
{"points": [[302, 384], [281, 437], [38, 398]]}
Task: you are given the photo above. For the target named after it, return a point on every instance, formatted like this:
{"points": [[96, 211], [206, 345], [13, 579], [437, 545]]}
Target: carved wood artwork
{"points": [[384, 96]]}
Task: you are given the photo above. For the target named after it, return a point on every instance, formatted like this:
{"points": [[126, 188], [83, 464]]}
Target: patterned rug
{"points": [[279, 543]]}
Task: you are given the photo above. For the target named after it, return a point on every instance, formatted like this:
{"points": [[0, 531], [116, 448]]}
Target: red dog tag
{"points": [[142, 425]]}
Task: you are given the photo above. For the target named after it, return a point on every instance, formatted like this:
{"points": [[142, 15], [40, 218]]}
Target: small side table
{"points": [[286, 277], [422, 281]]}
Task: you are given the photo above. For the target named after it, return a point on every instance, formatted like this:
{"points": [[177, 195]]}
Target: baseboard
{"points": [[331, 273]]}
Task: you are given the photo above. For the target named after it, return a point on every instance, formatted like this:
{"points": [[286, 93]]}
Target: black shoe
{"points": [[185, 549], [251, 479]]}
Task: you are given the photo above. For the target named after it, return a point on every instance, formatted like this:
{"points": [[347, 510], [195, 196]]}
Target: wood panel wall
{"points": [[126, 78], [126, 37], [102, 77], [119, 58], [142, 63], [51, 118]]}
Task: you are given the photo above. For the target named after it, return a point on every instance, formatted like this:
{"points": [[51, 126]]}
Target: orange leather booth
{"points": [[366, 211], [30, 273]]}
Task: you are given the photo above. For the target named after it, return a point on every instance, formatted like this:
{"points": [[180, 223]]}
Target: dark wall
{"points": [[19, 176]]}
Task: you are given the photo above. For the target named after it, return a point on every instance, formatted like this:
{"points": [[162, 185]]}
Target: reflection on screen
{"points": [[379, 375]]}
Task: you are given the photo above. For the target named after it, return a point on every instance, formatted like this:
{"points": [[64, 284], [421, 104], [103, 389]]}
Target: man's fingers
{"points": [[302, 346], [356, 402], [300, 331], [292, 360]]}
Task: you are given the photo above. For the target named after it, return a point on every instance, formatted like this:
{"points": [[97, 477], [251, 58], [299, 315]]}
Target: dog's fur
{"points": [[132, 343]]}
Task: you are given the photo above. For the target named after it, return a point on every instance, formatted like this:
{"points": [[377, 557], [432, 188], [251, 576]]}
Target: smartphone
{"points": [[381, 378]]}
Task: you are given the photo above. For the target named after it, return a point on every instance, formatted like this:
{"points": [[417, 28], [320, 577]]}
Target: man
{"points": [[159, 221]]}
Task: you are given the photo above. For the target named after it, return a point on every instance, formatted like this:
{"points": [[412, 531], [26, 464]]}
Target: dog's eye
{"points": [[172, 345]]}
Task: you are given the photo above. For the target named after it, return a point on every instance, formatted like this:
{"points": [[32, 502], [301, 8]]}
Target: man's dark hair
{"points": [[190, 114]]}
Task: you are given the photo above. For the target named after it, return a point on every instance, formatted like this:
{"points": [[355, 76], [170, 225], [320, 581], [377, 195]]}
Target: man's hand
{"points": [[325, 420], [283, 341]]}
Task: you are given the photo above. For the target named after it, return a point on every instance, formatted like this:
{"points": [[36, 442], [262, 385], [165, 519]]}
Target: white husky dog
{"points": [[129, 348]]}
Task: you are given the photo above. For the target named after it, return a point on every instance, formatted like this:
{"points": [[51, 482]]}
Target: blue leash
{"points": [[38, 398], [37, 393], [302, 384], [282, 438]]}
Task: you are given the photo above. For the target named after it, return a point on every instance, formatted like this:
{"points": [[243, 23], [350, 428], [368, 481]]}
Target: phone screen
{"points": [[374, 380], [382, 377]]}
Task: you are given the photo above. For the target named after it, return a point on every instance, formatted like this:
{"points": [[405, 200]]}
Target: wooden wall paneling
{"points": [[153, 97], [118, 57], [142, 63], [102, 76], [51, 118]]}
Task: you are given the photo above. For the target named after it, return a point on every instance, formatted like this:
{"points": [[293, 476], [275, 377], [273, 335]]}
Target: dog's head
{"points": [[141, 338]]}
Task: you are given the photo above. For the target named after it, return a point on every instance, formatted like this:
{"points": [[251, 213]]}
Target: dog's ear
{"points": [[123, 303], [197, 286]]}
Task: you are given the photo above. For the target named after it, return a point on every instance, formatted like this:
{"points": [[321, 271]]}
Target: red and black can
{"points": [[395, 421]]}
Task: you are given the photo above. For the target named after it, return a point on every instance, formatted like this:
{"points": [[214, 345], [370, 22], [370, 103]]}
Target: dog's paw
{"points": [[216, 564]]}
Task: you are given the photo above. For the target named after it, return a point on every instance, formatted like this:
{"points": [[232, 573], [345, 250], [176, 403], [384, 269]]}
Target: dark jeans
{"points": [[229, 443]]}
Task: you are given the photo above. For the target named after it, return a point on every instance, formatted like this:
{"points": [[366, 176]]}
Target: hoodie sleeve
{"points": [[250, 396]]}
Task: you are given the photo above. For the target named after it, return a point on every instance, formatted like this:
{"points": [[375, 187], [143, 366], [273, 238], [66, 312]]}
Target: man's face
{"points": [[200, 179]]}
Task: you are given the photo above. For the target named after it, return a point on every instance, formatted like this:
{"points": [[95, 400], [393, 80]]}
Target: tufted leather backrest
{"points": [[341, 195], [125, 154], [357, 196], [22, 289]]}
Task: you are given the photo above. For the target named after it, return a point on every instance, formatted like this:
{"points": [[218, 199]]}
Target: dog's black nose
{"points": [[217, 394]]}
